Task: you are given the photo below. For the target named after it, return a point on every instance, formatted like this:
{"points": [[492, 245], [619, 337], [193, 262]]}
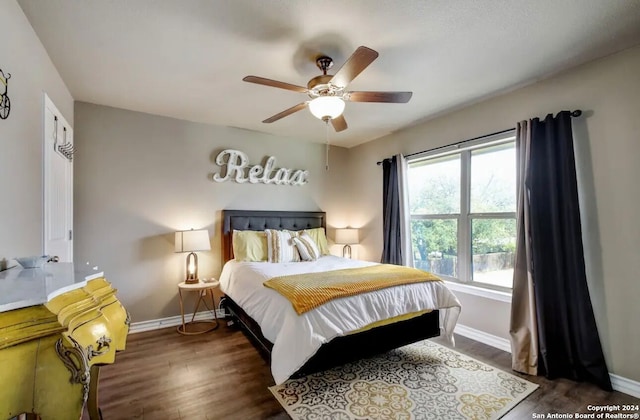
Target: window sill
{"points": [[479, 291]]}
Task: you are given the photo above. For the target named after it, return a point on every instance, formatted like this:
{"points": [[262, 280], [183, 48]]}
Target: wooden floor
{"points": [[220, 375]]}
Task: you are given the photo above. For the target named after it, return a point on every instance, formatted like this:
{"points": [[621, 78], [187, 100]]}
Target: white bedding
{"points": [[296, 337]]}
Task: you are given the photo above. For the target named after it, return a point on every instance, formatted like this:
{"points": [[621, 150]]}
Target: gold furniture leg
{"points": [[92, 402], [203, 290], [213, 303], [195, 309], [184, 327]]}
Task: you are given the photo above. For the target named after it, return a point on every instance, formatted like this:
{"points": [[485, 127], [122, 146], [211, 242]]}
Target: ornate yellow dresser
{"points": [[57, 327]]}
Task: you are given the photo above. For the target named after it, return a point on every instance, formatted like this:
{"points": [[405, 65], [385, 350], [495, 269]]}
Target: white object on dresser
{"points": [[23, 287]]}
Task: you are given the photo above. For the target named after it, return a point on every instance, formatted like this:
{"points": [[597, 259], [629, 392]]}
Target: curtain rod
{"points": [[575, 113]]}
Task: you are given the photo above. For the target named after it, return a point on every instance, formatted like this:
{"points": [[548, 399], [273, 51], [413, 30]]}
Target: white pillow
{"points": [[319, 237], [307, 247], [280, 246]]}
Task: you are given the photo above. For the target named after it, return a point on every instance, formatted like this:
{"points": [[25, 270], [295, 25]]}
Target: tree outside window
{"points": [[462, 208]]}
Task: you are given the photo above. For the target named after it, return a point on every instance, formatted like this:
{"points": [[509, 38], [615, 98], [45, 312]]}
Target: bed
{"points": [[330, 334]]}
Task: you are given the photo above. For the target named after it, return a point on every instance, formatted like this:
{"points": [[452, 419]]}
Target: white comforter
{"points": [[296, 337]]}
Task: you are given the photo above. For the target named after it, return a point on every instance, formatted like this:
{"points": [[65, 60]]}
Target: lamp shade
{"points": [[192, 240], [326, 107], [347, 236]]}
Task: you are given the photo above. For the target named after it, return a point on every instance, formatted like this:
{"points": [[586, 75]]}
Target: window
{"points": [[462, 201]]}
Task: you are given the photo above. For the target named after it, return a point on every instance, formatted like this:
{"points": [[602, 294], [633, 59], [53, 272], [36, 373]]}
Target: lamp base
{"points": [[346, 252], [192, 269]]}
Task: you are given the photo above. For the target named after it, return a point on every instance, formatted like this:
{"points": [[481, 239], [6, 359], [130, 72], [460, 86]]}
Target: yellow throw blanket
{"points": [[310, 290]]}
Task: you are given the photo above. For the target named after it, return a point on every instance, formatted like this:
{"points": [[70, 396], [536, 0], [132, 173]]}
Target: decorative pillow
{"points": [[319, 237], [307, 248], [280, 246], [249, 245]]}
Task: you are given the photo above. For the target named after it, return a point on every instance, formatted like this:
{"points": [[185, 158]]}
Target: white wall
{"points": [[32, 73], [140, 177], [608, 145]]}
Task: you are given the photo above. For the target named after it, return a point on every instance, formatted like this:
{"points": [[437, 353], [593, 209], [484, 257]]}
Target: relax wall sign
{"points": [[234, 166]]}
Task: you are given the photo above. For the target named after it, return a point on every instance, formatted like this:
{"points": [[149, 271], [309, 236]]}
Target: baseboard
{"points": [[172, 321], [503, 344], [625, 385], [619, 383]]}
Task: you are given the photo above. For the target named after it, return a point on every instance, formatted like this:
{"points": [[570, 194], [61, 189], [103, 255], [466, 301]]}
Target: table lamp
{"points": [[191, 241], [348, 237]]}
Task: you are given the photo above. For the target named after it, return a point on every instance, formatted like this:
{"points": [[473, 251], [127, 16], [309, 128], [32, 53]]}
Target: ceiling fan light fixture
{"points": [[326, 107], [328, 93]]}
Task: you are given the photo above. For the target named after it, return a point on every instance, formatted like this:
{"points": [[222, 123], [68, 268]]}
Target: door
{"points": [[58, 184]]}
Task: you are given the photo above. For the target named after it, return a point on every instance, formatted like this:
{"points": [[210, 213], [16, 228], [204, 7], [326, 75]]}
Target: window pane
{"points": [[434, 186], [493, 244], [493, 179], [435, 245]]}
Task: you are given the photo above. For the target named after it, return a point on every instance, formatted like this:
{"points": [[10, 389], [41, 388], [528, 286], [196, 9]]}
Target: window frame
{"points": [[465, 217]]}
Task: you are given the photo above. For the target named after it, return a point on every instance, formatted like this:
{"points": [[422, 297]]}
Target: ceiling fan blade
{"points": [[339, 123], [393, 97], [286, 112], [358, 61], [275, 83]]}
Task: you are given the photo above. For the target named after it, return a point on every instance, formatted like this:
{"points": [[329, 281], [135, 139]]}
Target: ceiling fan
{"points": [[328, 93]]}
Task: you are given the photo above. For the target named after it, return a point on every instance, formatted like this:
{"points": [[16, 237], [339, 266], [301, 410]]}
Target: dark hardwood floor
{"points": [[220, 375]]}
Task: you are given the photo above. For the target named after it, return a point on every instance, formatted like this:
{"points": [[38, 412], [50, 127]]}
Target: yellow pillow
{"points": [[319, 237], [249, 245]]}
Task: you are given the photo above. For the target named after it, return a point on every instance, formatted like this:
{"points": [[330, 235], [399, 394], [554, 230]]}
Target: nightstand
{"points": [[204, 289]]}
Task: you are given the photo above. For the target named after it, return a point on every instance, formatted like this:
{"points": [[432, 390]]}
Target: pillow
{"points": [[319, 237], [249, 245], [280, 246], [307, 248]]}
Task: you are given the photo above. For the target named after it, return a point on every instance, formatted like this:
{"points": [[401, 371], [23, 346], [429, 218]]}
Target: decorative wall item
{"points": [[5, 103], [235, 166], [66, 148]]}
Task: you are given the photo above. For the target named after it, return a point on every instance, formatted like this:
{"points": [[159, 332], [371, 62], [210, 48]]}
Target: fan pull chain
{"points": [[327, 144]]}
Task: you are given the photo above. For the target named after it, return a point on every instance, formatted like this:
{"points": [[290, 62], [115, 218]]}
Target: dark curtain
{"points": [[391, 226], [568, 338]]}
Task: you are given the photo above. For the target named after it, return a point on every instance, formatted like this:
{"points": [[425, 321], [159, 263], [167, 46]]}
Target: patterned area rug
{"points": [[419, 381]]}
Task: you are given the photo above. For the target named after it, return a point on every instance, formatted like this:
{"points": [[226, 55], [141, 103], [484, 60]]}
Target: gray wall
{"points": [[608, 146], [32, 73], [140, 177]]}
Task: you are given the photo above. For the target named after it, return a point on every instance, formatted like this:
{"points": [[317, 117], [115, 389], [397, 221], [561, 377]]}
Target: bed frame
{"points": [[340, 350]]}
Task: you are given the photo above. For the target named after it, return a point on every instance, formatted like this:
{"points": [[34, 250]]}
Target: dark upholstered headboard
{"points": [[261, 220]]}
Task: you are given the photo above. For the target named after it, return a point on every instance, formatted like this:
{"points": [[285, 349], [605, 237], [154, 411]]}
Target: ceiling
{"points": [[186, 59]]}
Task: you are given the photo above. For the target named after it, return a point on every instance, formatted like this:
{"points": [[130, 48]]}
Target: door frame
{"points": [[46, 154]]}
